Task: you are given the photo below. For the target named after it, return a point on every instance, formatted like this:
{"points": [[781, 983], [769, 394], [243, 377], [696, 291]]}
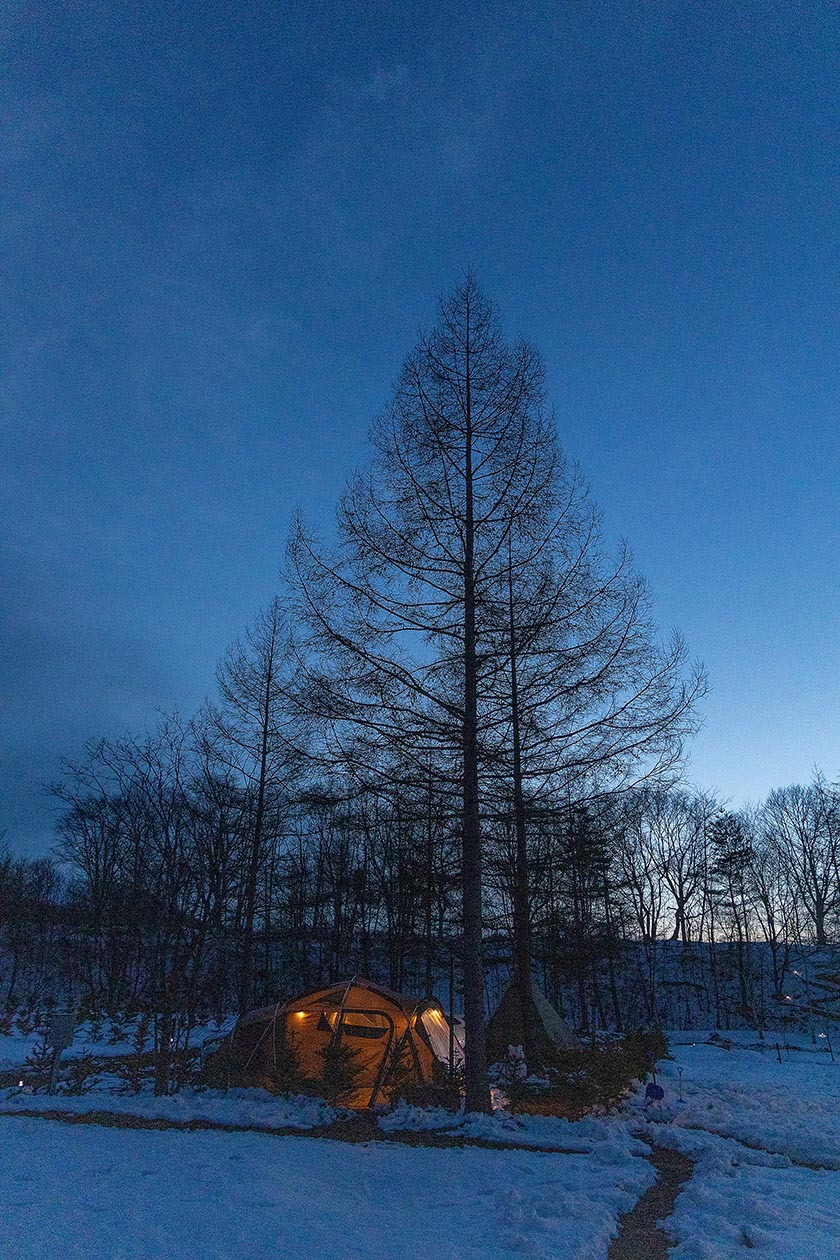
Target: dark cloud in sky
{"points": [[221, 228]]}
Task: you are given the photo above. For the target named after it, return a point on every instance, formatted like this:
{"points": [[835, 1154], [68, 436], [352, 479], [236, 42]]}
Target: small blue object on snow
{"points": [[654, 1092]]}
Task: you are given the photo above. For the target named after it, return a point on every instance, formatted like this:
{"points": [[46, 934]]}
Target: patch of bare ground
{"points": [[640, 1235]]}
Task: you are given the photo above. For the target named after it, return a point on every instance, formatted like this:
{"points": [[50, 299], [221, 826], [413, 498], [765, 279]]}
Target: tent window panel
{"points": [[361, 1030], [368, 1024]]}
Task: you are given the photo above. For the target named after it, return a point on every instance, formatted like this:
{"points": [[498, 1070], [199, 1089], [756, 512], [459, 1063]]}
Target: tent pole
{"points": [[336, 1037]]}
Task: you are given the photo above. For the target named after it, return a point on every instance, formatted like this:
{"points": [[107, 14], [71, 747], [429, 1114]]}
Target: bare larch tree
{"points": [[402, 618]]}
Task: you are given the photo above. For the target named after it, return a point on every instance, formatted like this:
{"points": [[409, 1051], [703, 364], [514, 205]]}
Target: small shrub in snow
{"points": [[82, 1074], [218, 1065], [586, 1078], [134, 1068], [341, 1072], [287, 1073], [116, 1032], [184, 1070], [511, 1068], [221, 1066], [38, 1065], [28, 1020]]}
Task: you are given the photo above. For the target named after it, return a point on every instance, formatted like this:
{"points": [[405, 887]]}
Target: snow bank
{"points": [[245, 1107], [607, 1139], [788, 1215], [740, 1199]]}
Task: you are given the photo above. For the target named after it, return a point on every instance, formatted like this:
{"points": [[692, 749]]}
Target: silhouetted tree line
{"points": [[647, 906], [454, 738]]}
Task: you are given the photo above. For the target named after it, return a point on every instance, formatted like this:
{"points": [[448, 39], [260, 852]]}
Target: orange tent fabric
{"points": [[391, 1036]]}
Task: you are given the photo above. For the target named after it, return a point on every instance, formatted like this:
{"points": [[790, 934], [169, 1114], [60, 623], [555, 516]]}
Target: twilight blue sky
{"points": [[222, 225]]}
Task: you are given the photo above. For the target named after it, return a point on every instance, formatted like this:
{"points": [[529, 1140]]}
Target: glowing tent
{"points": [[395, 1040]]}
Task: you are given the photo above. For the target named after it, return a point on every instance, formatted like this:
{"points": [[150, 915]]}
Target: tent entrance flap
{"points": [[435, 1025]]}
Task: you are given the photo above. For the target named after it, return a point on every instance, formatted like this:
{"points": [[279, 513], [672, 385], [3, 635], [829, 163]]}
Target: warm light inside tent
{"points": [[383, 1030]]}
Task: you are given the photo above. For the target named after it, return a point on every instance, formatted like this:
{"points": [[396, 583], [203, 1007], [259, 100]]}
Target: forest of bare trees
{"points": [[452, 743], [634, 898]]}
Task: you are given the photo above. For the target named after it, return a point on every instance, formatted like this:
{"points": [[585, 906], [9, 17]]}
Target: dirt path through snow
{"points": [[640, 1237]]}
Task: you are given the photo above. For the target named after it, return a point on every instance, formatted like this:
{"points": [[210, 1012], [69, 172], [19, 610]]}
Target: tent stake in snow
{"points": [[679, 1074]]}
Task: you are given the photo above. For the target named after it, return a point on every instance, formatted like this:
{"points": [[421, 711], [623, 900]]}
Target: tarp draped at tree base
{"points": [[363, 1041]]}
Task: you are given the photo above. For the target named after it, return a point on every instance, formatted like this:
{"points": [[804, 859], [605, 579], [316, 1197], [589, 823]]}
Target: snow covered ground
{"points": [[68, 1192], [792, 1106], [245, 1108], [741, 1198], [738, 1200], [604, 1137], [14, 1047], [88, 1193]]}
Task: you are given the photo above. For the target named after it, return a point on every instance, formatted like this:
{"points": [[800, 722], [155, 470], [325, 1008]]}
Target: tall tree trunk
{"points": [[475, 1051], [246, 976], [612, 945], [522, 980], [430, 885]]}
